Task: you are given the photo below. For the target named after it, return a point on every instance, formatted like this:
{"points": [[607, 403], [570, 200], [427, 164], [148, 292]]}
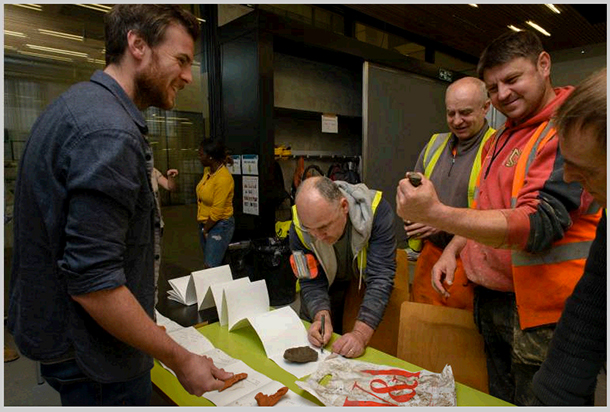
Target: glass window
{"points": [[49, 47]]}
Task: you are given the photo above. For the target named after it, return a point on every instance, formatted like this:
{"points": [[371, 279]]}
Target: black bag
{"points": [[272, 262], [345, 171]]}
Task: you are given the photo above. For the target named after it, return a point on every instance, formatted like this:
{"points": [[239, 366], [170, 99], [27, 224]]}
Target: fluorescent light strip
{"points": [[60, 51], [552, 7], [98, 61], [474, 5], [96, 7], [45, 56], [60, 34], [200, 19], [513, 28], [35, 7], [537, 27], [14, 33]]}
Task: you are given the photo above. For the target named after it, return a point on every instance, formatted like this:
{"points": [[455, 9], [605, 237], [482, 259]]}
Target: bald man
{"points": [[349, 231], [452, 161]]}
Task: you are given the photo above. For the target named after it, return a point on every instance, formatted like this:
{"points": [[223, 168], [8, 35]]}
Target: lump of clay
{"points": [[270, 400], [232, 381], [301, 354]]}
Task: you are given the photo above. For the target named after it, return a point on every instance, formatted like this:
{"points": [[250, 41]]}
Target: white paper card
{"points": [[205, 278], [330, 123], [251, 384], [221, 304], [183, 287], [246, 301], [167, 323], [288, 400], [249, 164], [235, 168]]}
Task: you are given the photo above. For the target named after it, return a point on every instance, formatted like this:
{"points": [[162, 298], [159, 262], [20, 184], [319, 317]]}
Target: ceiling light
{"points": [[35, 7], [45, 56], [513, 28], [61, 34], [537, 27], [97, 7], [60, 51], [552, 7], [474, 5], [14, 33]]}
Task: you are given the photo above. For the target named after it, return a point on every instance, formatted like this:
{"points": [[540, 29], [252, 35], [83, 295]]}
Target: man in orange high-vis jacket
{"points": [[577, 352], [526, 239], [452, 161]]}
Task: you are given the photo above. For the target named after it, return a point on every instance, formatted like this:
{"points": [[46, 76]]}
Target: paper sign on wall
{"points": [[249, 164], [250, 194], [330, 123], [235, 168]]}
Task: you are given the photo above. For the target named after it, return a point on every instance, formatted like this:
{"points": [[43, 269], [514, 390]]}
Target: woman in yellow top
{"points": [[215, 202]]}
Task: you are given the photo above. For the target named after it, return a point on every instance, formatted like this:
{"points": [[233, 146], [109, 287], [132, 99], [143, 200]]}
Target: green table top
{"points": [[245, 345]]}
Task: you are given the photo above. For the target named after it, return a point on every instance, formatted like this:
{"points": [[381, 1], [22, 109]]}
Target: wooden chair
{"points": [[385, 338], [432, 336]]}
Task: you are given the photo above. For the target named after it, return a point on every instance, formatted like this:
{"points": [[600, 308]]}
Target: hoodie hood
{"points": [[360, 200]]}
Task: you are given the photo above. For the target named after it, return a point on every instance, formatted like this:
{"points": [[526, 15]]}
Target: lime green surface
{"points": [[245, 345]]}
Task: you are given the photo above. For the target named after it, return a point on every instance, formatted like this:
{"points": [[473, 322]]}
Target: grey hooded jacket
{"points": [[374, 232]]}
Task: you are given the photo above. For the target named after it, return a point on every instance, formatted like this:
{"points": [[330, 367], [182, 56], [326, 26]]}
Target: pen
{"points": [[322, 331]]}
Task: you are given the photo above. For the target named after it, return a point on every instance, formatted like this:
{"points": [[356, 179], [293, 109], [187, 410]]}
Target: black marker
{"points": [[322, 331]]}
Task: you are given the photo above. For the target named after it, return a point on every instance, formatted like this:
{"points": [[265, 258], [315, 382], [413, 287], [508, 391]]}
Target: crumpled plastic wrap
{"points": [[356, 383]]}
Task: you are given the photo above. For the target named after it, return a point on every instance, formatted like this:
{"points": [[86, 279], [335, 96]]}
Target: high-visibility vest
{"points": [[361, 255], [435, 147], [542, 281]]}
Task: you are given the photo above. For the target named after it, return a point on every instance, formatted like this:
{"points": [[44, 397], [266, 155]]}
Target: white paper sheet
{"points": [[183, 289], [288, 400], [203, 279], [246, 301], [169, 324], [191, 339], [250, 385], [282, 329], [219, 300]]}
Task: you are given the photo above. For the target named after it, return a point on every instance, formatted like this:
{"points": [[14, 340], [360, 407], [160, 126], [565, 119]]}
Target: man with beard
{"points": [[82, 284]]}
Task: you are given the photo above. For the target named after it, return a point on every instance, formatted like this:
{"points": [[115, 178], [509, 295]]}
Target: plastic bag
{"points": [[356, 383]]}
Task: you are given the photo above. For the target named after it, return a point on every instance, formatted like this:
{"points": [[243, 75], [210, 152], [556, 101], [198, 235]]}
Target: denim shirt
{"points": [[84, 220]]}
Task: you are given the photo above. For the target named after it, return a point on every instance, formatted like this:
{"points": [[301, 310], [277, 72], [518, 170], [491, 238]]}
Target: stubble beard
{"points": [[149, 90]]}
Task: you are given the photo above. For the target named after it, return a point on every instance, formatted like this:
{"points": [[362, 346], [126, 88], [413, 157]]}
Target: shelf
{"points": [[318, 156]]}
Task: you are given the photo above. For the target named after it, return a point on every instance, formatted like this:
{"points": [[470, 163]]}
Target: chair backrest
{"points": [[385, 337], [432, 336]]}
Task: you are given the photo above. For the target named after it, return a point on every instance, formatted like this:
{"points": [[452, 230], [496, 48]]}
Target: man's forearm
{"points": [[121, 315], [488, 227]]}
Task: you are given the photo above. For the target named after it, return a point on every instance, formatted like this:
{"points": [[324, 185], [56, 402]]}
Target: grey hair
{"points": [[324, 186]]}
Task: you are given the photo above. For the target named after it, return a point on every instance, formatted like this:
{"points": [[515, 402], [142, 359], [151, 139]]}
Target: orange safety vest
{"points": [[544, 280]]}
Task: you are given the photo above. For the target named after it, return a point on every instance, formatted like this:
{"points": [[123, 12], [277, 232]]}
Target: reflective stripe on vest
{"points": [[437, 144], [475, 194], [565, 251]]}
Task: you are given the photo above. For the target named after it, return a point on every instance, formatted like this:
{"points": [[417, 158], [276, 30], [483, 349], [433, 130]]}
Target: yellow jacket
{"points": [[215, 195]]}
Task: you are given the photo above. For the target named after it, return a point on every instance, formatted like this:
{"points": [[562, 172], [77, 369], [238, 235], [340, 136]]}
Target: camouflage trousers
{"points": [[513, 355]]}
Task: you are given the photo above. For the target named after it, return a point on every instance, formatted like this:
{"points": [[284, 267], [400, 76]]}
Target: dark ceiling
{"points": [[468, 29]]}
